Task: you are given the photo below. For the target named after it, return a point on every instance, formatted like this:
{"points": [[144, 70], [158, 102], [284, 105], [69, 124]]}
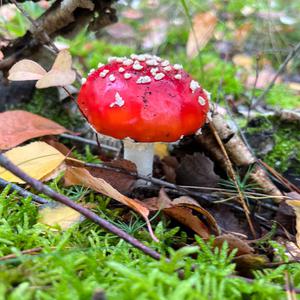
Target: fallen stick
{"points": [[40, 187], [23, 192]]}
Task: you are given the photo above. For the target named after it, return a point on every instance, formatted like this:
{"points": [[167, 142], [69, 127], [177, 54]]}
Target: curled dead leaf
{"points": [[81, 176], [183, 210]]}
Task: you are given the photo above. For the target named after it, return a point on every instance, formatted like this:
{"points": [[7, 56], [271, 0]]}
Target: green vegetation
{"points": [[75, 263]]}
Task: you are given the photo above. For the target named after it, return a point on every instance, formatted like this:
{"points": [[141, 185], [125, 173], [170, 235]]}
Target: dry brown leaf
{"points": [[123, 182], [182, 209], [242, 33], [26, 69], [80, 176], [18, 126], [61, 215], [196, 170], [203, 28], [295, 204], [37, 159], [233, 243]]}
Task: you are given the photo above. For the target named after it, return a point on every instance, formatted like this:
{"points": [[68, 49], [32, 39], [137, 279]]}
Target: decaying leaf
{"points": [[59, 214], [183, 210], [121, 181], [202, 31], [37, 159], [246, 263], [234, 243], [81, 176], [295, 204], [242, 33], [196, 170], [60, 74], [18, 126]]}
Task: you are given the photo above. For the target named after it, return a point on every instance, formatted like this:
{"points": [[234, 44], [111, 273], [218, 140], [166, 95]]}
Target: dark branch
{"points": [[40, 187]]}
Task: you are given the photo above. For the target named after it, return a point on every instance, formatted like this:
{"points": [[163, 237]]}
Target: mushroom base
{"points": [[141, 154]]}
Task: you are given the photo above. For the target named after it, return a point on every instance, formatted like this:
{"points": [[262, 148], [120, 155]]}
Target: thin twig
{"points": [[23, 192], [291, 55], [44, 34], [153, 180], [88, 141], [233, 176], [40, 187], [31, 251]]}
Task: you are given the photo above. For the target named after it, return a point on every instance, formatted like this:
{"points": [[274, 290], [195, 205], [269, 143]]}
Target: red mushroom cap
{"points": [[143, 98]]}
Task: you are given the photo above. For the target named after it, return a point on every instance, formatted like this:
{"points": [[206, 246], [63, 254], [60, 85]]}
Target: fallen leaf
{"points": [[294, 86], [295, 204], [59, 214], [37, 159], [185, 216], [1, 55], [203, 29], [81, 176], [123, 182], [18, 126], [183, 210], [244, 61], [242, 33], [234, 243], [161, 150], [60, 74], [26, 69], [196, 170], [247, 263]]}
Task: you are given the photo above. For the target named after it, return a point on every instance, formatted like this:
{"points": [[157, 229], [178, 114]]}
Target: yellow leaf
{"points": [[37, 159], [244, 61], [295, 204], [203, 29], [61, 215], [161, 150]]}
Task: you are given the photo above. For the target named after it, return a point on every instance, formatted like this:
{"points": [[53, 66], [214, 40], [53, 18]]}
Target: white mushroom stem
{"points": [[141, 154]]}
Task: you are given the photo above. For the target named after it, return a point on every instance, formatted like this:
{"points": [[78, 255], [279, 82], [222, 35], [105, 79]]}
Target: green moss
{"points": [[92, 51], [286, 149], [286, 137], [281, 96]]}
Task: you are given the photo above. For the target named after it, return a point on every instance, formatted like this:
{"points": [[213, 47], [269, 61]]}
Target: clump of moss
{"points": [[282, 96], [284, 150]]}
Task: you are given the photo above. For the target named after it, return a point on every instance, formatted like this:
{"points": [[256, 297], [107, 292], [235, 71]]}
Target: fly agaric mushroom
{"points": [[143, 99]]}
